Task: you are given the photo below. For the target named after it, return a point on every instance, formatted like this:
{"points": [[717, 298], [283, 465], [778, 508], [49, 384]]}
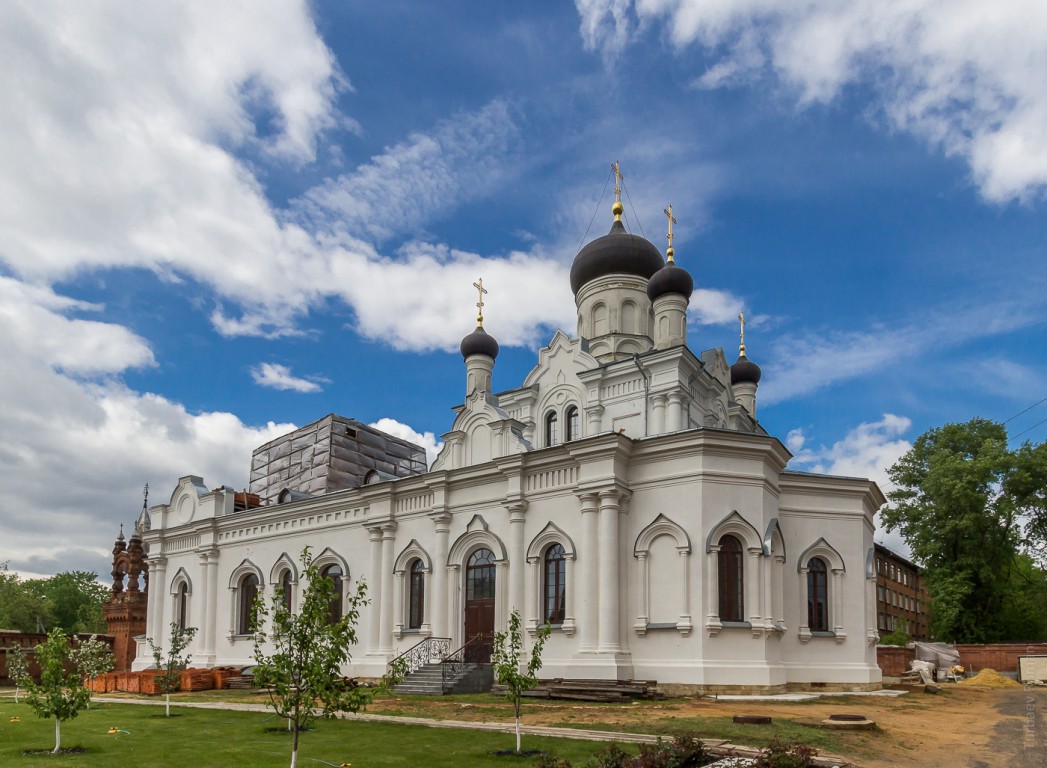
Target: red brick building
{"points": [[901, 598]]}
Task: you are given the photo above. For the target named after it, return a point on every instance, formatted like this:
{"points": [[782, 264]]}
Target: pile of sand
{"points": [[990, 678]]}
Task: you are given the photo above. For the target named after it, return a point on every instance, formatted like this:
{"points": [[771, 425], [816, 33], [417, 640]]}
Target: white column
{"points": [[399, 612], [200, 603], [712, 592], [658, 414], [778, 603], [644, 617], [608, 570], [388, 539], [517, 558], [588, 612], [675, 415], [684, 623], [438, 614], [374, 625], [752, 586], [154, 625], [568, 608], [837, 603]]}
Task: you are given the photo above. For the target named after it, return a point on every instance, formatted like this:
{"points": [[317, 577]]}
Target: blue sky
{"points": [[222, 220]]}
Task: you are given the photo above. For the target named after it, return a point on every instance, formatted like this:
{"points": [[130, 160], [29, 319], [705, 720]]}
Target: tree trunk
{"points": [[517, 734], [167, 709], [294, 748], [58, 736], [16, 694]]}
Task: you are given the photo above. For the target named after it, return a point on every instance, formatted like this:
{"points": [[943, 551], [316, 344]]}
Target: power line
{"points": [[605, 183], [1015, 416], [1030, 429]]}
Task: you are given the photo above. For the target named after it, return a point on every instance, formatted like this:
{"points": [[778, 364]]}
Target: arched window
{"points": [[416, 600], [817, 595], [182, 605], [555, 585], [552, 430], [286, 589], [731, 579], [479, 575], [248, 593], [571, 426], [333, 573]]}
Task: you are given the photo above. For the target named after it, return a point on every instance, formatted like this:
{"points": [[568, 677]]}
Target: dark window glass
{"points": [[333, 574], [555, 587], [479, 576], [571, 428], [817, 592], [416, 599], [183, 604], [285, 589], [248, 596], [731, 579], [552, 429]]}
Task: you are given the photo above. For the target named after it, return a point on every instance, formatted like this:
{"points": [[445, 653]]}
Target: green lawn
{"points": [[221, 739]]}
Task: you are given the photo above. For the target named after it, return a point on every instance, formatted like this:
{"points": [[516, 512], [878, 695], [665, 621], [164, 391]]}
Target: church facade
{"points": [[623, 493]]}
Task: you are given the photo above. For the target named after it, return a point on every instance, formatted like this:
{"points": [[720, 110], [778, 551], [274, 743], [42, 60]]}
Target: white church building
{"points": [[624, 493]]}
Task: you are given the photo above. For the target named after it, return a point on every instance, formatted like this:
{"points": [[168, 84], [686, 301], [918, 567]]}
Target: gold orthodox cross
{"points": [[618, 178], [668, 211], [741, 318], [479, 286]]}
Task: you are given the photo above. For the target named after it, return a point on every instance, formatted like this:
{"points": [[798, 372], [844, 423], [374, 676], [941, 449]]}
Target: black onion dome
{"points": [[670, 279], [745, 371], [479, 342], [617, 252]]}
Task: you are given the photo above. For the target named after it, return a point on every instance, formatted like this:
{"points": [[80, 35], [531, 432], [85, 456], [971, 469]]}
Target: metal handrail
{"points": [[452, 664], [427, 651]]}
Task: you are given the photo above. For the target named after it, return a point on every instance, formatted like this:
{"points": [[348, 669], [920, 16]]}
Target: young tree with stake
{"points": [[173, 663], [299, 656], [57, 695], [93, 658], [508, 648]]}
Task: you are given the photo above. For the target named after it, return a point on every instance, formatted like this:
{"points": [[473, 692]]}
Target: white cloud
{"points": [[419, 179], [276, 376], [426, 440], [965, 76], [712, 307], [868, 450], [31, 324], [801, 364]]}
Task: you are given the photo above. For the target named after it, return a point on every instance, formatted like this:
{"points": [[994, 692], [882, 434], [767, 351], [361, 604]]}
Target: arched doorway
{"points": [[479, 605]]}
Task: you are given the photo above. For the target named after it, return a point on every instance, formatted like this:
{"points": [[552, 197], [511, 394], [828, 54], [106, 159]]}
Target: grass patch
{"points": [[223, 739]]}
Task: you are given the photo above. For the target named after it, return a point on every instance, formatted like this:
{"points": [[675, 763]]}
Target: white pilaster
{"points": [[517, 557], [608, 570], [374, 624], [588, 612], [385, 643], [440, 608]]}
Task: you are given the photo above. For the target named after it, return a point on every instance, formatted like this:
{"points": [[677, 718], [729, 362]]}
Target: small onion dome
{"points": [[617, 252], [670, 279], [745, 371], [479, 342]]}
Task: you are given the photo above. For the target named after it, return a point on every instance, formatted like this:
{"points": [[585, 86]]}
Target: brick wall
{"points": [[28, 641], [1003, 657]]}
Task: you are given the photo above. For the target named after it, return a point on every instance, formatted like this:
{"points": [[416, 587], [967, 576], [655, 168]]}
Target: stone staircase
{"points": [[429, 680]]}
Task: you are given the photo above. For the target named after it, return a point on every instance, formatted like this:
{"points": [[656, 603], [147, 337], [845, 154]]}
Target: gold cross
{"points": [[668, 211], [145, 494], [479, 286], [741, 317], [618, 178]]}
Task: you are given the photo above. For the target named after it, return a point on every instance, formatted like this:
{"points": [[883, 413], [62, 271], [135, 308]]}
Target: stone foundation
{"points": [[684, 689]]}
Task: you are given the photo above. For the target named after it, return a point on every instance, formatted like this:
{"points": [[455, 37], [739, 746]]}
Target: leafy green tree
{"points": [[171, 664], [93, 657], [17, 667], [967, 505], [506, 655], [20, 608], [299, 656], [59, 694], [74, 600]]}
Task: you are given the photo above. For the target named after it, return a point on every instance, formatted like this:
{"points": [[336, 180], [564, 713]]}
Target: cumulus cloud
{"points": [[276, 376], [964, 76], [426, 440], [32, 323], [867, 450]]}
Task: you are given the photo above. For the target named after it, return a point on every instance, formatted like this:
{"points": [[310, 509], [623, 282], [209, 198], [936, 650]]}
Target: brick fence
{"points": [[28, 641], [1003, 657]]}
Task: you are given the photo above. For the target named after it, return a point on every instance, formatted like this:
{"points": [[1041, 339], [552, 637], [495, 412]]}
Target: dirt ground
{"points": [[964, 726]]}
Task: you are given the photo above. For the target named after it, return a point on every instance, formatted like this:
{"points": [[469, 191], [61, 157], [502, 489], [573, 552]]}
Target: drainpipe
{"points": [[646, 391]]}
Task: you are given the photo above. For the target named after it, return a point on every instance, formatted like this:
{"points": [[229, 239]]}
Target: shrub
{"points": [[781, 755]]}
